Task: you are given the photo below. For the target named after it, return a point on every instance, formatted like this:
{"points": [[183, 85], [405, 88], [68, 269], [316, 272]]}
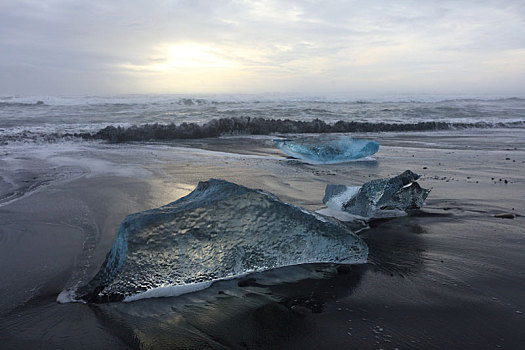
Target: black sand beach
{"points": [[449, 276], [171, 174]]}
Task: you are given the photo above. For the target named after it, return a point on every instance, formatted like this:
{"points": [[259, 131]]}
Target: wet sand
{"points": [[448, 276]]}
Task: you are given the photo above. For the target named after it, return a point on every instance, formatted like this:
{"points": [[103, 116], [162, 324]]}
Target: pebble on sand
{"points": [[505, 216]]}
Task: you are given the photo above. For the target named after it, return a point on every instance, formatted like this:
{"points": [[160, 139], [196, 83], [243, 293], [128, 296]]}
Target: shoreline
{"points": [[448, 276]]}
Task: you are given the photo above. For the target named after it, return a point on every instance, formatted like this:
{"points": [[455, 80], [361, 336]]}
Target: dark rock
{"points": [[505, 216]]}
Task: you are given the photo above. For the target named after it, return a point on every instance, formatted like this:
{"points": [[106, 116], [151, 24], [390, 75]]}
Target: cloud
{"points": [[69, 46]]}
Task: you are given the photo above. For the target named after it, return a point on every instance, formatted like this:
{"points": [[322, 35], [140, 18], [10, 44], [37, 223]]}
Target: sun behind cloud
{"points": [[183, 55], [185, 66]]}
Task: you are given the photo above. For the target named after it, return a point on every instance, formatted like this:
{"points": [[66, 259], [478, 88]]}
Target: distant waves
{"points": [[239, 126], [262, 126]]}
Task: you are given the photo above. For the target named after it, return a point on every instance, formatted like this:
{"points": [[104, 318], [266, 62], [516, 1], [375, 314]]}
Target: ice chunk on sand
{"points": [[378, 198], [327, 150], [218, 231]]}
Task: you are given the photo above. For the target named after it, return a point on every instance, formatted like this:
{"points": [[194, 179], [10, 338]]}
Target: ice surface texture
{"points": [[378, 197], [219, 230], [327, 150]]}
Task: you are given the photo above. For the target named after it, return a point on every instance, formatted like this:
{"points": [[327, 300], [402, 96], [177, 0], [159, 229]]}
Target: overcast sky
{"points": [[322, 47]]}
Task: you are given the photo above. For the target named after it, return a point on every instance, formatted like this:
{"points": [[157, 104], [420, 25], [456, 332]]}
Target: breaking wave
{"points": [[261, 126], [239, 126], [22, 104]]}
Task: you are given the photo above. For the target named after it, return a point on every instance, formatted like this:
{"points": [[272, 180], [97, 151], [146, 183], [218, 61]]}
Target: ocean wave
{"points": [[22, 104], [262, 126], [501, 99], [232, 126]]}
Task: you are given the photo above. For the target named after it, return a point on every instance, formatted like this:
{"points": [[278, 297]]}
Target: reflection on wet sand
{"points": [[396, 245], [233, 314], [266, 309]]}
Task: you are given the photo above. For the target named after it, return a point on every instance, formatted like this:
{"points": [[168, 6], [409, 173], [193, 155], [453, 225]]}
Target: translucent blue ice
{"points": [[324, 150], [220, 230], [378, 198]]}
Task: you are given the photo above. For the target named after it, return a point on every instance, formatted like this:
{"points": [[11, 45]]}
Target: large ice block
{"points": [[325, 150], [220, 230], [378, 198]]}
